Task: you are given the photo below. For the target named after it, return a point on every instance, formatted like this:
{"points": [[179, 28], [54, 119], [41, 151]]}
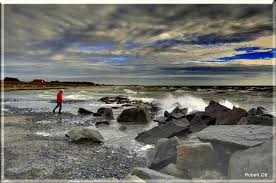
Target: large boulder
{"points": [[256, 120], [160, 120], [170, 129], [178, 113], [215, 108], [85, 133], [231, 117], [258, 111], [253, 163], [163, 154], [148, 174], [84, 111], [172, 170], [201, 120], [106, 113], [243, 136], [138, 115], [193, 155]]}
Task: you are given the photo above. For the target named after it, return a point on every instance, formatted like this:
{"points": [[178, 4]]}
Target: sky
{"points": [[141, 44]]}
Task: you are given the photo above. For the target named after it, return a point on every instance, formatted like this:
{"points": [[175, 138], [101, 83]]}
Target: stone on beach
{"points": [[243, 136], [193, 155], [215, 108], [148, 174], [178, 113], [88, 133], [105, 113], [172, 170], [136, 115], [170, 129], [256, 120], [163, 154], [84, 111], [201, 120], [231, 117], [256, 160]]}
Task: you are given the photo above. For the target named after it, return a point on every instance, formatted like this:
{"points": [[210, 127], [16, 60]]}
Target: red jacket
{"points": [[59, 97]]}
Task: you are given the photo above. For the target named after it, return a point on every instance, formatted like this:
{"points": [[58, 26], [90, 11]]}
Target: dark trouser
{"points": [[58, 105]]}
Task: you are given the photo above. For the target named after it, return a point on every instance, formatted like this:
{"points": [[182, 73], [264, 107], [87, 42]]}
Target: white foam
{"points": [[130, 91], [228, 104], [186, 101], [144, 99]]}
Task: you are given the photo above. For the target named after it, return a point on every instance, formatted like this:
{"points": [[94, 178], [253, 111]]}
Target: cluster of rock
{"points": [[217, 143]]}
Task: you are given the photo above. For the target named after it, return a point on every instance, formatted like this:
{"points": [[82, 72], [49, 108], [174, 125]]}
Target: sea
{"points": [[195, 98]]}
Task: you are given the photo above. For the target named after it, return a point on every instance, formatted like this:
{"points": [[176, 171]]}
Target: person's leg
{"points": [[60, 105], [56, 108]]}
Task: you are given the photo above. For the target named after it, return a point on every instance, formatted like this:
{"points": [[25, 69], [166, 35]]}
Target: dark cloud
{"points": [[129, 39]]}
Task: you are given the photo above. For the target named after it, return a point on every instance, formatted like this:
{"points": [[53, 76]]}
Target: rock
{"points": [[231, 117], [102, 123], [85, 133], [154, 109], [258, 111], [170, 129], [122, 128], [139, 115], [84, 111], [243, 136], [256, 120], [215, 108], [253, 163], [201, 120], [105, 112], [167, 114], [178, 113], [160, 120], [148, 174], [163, 153], [171, 169], [193, 155], [210, 174], [134, 178]]}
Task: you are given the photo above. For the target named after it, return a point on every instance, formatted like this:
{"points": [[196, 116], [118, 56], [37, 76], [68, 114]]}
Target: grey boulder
{"points": [[85, 133], [170, 129], [201, 120], [163, 154], [136, 115], [84, 111], [148, 174], [253, 163], [106, 113], [172, 170], [243, 136], [256, 120]]}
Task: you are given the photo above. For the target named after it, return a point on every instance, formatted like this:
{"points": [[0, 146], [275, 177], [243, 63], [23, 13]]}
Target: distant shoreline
{"points": [[21, 85]]}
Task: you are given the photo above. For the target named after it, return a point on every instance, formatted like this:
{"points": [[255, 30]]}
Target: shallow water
{"points": [[194, 98]]}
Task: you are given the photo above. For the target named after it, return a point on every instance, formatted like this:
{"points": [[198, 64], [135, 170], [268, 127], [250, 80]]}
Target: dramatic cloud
{"points": [[140, 44]]}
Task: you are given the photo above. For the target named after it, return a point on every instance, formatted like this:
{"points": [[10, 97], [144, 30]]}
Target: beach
{"points": [[35, 146]]}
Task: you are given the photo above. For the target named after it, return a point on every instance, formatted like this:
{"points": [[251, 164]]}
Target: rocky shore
{"points": [[217, 143]]}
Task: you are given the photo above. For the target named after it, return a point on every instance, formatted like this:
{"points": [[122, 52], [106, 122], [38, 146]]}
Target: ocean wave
{"points": [[228, 104], [130, 91], [144, 99], [186, 101], [78, 97]]}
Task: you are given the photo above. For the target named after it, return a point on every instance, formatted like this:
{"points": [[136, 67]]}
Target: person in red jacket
{"points": [[59, 101]]}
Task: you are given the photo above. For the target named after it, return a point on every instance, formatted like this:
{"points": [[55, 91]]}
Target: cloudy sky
{"points": [[141, 44]]}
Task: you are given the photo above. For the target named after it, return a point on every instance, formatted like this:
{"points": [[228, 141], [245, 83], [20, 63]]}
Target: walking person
{"points": [[59, 101]]}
